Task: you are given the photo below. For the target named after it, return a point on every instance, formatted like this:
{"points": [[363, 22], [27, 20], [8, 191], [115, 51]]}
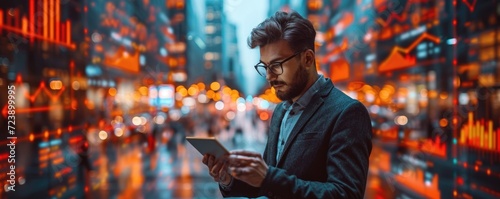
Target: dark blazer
{"points": [[325, 156]]}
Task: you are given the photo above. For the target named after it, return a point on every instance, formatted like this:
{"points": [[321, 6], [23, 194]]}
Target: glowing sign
{"points": [[162, 95], [397, 61], [43, 23], [123, 60]]}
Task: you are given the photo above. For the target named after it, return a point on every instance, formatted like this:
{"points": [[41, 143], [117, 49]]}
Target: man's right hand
{"points": [[218, 168]]}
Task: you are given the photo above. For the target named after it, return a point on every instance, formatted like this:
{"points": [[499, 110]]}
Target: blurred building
{"points": [[213, 35], [196, 42], [287, 5], [231, 66], [213, 41]]}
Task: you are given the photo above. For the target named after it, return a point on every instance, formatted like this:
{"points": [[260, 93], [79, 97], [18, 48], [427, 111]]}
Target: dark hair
{"points": [[293, 28]]}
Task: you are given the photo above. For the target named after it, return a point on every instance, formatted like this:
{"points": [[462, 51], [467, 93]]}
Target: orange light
{"points": [[46, 134], [58, 19], [32, 137], [45, 19], [217, 96], [443, 122], [215, 86], [210, 94], [226, 90], [112, 91], [193, 91], [476, 168], [51, 18], [68, 32], [1, 17], [488, 172], [56, 85], [59, 131], [455, 193], [201, 86], [25, 26], [183, 92], [178, 88], [443, 95], [264, 116]]}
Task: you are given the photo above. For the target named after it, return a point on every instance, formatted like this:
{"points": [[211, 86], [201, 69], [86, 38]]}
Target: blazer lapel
{"points": [[274, 134], [309, 111]]}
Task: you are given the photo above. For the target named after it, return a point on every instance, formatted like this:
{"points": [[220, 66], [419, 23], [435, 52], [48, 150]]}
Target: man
{"points": [[319, 138]]}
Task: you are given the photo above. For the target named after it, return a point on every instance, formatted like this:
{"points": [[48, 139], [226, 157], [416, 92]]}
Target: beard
{"points": [[295, 88]]}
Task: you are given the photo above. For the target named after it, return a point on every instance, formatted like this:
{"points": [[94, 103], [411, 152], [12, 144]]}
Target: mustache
{"points": [[276, 82]]}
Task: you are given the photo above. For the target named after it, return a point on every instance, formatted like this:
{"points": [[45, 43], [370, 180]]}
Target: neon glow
{"points": [[397, 61], [52, 30]]}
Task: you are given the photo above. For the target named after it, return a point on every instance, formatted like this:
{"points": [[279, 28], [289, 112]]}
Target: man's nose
{"points": [[270, 75]]}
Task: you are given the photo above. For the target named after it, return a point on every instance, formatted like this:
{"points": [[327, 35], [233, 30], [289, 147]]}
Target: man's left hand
{"points": [[248, 167]]}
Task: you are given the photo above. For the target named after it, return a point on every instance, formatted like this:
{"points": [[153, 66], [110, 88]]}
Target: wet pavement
{"points": [[173, 169]]}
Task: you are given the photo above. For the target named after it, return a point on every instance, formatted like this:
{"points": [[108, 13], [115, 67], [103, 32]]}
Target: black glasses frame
{"points": [[273, 66]]}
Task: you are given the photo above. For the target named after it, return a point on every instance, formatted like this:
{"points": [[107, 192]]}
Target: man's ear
{"points": [[309, 57]]}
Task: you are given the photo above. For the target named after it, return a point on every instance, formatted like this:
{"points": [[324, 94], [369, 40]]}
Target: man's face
{"points": [[291, 83]]}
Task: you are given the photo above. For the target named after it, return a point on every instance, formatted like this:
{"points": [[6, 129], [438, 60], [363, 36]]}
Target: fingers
{"points": [[240, 160], [243, 158], [240, 172], [205, 159], [246, 153], [210, 162], [217, 167]]}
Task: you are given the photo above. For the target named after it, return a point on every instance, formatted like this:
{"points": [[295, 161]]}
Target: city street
{"points": [[130, 171]]}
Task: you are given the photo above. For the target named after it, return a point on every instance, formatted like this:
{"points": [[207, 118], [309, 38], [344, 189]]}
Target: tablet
{"points": [[208, 145]]}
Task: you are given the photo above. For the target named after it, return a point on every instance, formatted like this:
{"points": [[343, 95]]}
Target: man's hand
{"points": [[248, 167], [217, 168]]}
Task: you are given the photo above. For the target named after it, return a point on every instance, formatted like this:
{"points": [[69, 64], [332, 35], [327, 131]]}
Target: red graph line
{"points": [[398, 49], [31, 110], [416, 42], [399, 17], [43, 88], [43, 135], [33, 97], [470, 5]]}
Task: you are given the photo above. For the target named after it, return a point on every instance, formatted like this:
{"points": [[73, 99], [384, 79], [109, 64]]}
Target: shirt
{"points": [[293, 113]]}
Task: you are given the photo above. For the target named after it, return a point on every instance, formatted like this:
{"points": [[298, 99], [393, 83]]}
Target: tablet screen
{"points": [[208, 145]]}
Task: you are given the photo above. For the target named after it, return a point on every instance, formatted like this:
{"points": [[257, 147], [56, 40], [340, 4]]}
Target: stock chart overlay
{"points": [[96, 95]]}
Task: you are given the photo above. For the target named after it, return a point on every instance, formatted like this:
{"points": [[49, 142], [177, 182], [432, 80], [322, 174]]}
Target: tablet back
{"points": [[208, 145]]}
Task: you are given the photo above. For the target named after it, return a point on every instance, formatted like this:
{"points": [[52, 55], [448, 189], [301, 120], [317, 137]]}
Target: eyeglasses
{"points": [[275, 68]]}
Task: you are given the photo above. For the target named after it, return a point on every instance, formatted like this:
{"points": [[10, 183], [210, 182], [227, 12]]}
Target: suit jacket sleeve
{"points": [[347, 162]]}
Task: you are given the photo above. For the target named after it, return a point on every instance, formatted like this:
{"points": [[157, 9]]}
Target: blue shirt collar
{"points": [[303, 100]]}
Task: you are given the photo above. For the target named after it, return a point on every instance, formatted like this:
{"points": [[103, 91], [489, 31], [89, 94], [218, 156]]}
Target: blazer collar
{"points": [[310, 109], [274, 133]]}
